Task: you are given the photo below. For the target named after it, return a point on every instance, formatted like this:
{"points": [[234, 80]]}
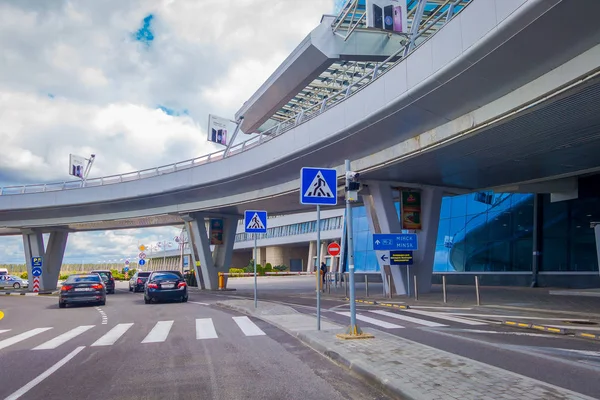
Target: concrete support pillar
{"points": [[211, 262], [52, 256], [383, 218], [312, 252], [323, 252], [431, 204]]}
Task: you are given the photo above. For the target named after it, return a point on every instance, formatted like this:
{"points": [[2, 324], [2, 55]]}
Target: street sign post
{"points": [[318, 186], [255, 222], [36, 270], [334, 249]]}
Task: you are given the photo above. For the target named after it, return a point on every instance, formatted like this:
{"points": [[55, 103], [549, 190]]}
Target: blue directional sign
{"points": [[255, 221], [142, 262], [36, 271], [318, 186], [395, 241], [37, 262]]}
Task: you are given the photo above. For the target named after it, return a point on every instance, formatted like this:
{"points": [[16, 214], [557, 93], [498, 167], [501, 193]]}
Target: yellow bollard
{"points": [[221, 281]]}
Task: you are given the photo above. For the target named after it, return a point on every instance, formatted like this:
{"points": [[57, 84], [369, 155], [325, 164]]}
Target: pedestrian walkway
{"points": [[99, 336], [410, 369]]}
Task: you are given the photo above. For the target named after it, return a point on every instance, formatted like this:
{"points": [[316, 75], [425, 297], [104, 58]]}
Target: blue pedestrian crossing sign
{"points": [[318, 186], [142, 262], [255, 221]]}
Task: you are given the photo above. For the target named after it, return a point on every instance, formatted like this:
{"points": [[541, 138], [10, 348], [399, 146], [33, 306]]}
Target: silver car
{"points": [[13, 281]]}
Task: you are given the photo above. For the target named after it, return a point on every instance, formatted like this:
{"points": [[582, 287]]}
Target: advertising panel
{"points": [[411, 210], [216, 231], [77, 166], [220, 129], [390, 15]]}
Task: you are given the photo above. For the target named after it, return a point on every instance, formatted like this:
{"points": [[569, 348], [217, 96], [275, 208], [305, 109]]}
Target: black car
{"points": [[82, 288], [165, 285], [138, 280], [108, 279]]}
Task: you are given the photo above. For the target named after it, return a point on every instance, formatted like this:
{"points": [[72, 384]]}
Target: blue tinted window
{"points": [[458, 206]]}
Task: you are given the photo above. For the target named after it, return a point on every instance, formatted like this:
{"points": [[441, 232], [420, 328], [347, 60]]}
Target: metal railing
{"points": [[277, 130]]}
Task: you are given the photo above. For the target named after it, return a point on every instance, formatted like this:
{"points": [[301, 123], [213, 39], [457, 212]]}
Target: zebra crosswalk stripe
{"points": [[407, 318], [65, 337], [113, 335], [205, 329], [248, 327], [444, 317], [23, 336], [159, 333], [372, 321]]}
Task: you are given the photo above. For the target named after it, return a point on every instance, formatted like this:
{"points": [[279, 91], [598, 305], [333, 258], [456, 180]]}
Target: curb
{"points": [[27, 293], [377, 303], [587, 335], [552, 329], [332, 355]]}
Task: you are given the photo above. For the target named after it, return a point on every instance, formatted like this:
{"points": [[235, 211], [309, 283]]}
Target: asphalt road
{"points": [[569, 362], [130, 350]]}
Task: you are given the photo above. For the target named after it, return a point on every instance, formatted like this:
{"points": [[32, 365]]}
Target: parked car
{"points": [[82, 288], [138, 280], [108, 279], [13, 281], [165, 285]]}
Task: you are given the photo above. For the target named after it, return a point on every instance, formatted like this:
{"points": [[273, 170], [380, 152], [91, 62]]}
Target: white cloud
{"points": [[73, 79]]}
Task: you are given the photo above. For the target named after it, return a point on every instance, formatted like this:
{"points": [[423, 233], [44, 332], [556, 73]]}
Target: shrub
{"points": [[233, 272], [280, 268], [268, 267], [24, 275], [62, 277]]}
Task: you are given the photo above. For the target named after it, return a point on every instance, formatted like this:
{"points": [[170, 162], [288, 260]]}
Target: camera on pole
{"points": [[352, 185]]}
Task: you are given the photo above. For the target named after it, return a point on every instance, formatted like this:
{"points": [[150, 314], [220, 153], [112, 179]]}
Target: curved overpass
{"points": [[487, 68]]}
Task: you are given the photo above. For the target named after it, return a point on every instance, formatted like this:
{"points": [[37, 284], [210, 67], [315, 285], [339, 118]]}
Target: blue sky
{"points": [[132, 82]]}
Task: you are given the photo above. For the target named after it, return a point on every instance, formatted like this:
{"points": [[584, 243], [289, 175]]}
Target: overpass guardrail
{"points": [[425, 29]]}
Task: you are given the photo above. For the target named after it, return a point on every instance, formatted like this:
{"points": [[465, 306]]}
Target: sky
{"points": [[132, 81]]}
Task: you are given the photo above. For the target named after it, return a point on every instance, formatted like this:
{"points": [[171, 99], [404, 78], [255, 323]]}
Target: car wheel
{"points": [[103, 303], [130, 289], [112, 291], [184, 299], [147, 301], [62, 305], [17, 285]]}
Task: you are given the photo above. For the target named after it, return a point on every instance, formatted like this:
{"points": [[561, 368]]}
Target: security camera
{"points": [[352, 175]]}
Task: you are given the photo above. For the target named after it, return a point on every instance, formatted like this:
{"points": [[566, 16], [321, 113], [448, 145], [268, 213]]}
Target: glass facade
{"points": [[293, 229], [491, 232]]}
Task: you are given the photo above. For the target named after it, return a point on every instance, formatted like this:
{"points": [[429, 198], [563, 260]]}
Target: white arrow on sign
{"points": [[377, 242]]}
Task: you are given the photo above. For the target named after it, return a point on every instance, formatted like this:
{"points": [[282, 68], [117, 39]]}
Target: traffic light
{"points": [[352, 185]]}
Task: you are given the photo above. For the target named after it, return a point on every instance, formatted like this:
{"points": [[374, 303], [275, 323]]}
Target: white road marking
{"points": [[159, 333], [445, 317], [23, 336], [44, 375], [65, 337], [248, 327], [196, 302], [372, 321], [113, 335], [4, 330], [441, 308], [519, 317], [205, 329], [407, 318]]}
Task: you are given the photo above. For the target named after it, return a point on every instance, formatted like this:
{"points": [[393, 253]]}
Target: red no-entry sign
{"points": [[334, 249]]}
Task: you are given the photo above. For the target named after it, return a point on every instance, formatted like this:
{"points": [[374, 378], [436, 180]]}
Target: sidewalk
{"points": [[408, 369]]}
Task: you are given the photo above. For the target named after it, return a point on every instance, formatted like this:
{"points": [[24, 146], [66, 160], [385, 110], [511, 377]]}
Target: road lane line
{"points": [[196, 302], [205, 329], [248, 327], [159, 333], [65, 337], [372, 321], [23, 336], [4, 330], [44, 375], [113, 335], [407, 318], [445, 317]]}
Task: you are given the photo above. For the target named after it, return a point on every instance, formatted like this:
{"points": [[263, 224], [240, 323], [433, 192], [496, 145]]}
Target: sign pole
{"points": [[318, 267], [255, 285], [354, 330]]}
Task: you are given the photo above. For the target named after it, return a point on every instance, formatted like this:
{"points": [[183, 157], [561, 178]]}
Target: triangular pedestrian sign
{"points": [[319, 187], [255, 223]]}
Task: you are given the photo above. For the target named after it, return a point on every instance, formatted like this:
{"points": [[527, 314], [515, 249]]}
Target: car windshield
{"points": [[83, 278], [144, 274], [163, 276]]}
